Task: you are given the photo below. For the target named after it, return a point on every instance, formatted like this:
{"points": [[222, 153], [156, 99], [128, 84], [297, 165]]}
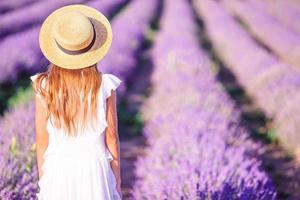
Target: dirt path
{"points": [[132, 141], [130, 150]]}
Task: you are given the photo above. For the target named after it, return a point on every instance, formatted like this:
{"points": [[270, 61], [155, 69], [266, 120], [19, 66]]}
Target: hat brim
{"points": [[99, 49]]}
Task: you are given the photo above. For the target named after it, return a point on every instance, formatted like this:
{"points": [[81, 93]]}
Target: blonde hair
{"points": [[62, 95]]}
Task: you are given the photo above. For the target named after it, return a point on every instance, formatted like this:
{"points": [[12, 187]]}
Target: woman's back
{"points": [[78, 167], [76, 162]]}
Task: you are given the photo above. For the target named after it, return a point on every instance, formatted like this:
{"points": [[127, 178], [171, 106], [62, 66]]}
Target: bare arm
{"points": [[112, 136], [41, 132]]}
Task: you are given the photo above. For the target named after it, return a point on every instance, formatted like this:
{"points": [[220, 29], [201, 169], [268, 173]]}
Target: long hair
{"points": [[66, 95]]}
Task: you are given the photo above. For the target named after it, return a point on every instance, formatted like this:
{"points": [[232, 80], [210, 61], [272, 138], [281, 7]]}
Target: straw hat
{"points": [[75, 36]]}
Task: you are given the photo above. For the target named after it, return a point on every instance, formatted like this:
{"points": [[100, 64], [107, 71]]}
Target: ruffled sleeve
{"points": [[33, 78], [110, 82]]}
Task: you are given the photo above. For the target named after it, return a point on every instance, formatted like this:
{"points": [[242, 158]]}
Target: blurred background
{"points": [[208, 107]]}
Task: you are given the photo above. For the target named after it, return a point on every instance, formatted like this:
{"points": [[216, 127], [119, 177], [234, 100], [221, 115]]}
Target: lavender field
{"points": [[209, 108]]}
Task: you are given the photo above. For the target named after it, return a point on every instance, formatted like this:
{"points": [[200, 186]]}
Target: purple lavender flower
{"points": [[268, 30], [196, 149], [20, 19], [19, 180], [10, 5], [273, 84], [18, 174], [122, 56], [283, 11]]}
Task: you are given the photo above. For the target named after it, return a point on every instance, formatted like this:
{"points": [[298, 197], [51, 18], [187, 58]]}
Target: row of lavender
{"points": [[130, 31], [17, 144], [283, 41], [9, 6], [274, 85], [26, 55], [20, 19], [196, 148], [283, 11]]}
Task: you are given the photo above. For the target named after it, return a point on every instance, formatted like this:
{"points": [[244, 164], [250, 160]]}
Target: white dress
{"points": [[78, 168]]}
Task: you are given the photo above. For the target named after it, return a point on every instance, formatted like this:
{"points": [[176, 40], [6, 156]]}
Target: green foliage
{"points": [[272, 136], [150, 34], [13, 146], [22, 95]]}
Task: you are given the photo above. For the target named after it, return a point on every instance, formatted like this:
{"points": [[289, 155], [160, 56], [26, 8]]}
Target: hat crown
{"points": [[73, 31], [62, 47]]}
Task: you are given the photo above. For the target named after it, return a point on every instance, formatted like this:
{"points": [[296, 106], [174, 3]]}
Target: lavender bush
{"points": [[10, 5], [273, 84], [20, 19], [17, 130], [18, 174], [268, 30], [292, 3], [283, 11], [26, 56], [196, 148], [130, 27]]}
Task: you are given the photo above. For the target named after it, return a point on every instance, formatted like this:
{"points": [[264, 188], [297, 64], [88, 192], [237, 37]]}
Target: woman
{"points": [[76, 115]]}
